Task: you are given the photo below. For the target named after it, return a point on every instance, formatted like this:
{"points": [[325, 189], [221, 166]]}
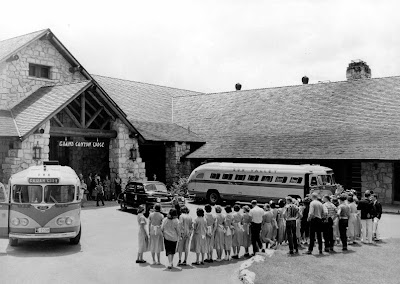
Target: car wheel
{"points": [[213, 197], [13, 242], [76, 240], [123, 205]]}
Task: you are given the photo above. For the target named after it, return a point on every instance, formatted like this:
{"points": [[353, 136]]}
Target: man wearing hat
{"points": [[256, 214]]}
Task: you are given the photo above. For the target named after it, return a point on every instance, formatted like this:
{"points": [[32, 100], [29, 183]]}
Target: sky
{"points": [[209, 46]]}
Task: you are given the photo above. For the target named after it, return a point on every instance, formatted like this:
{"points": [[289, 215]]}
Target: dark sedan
{"points": [[147, 193]]}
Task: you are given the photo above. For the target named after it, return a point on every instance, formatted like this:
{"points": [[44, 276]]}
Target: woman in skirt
{"points": [[274, 211], [156, 237], [246, 230], [266, 227], [171, 233], [143, 238], [237, 239], [219, 237], [211, 227], [199, 242], [229, 231], [351, 229], [186, 225], [281, 224]]}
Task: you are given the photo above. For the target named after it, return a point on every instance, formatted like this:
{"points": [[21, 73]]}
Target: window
{"points": [[267, 178], [281, 179], [227, 176], [139, 188], [59, 193], [326, 179], [313, 181], [27, 193], [156, 187], [39, 71], [201, 175], [253, 178], [296, 179], [130, 187], [215, 176], [240, 177]]}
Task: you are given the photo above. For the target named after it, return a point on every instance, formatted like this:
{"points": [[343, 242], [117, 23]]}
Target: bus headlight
{"points": [[69, 220], [24, 221], [15, 221], [158, 200], [60, 221]]}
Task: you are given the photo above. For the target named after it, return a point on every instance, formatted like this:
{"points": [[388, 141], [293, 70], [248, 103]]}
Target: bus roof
{"points": [[278, 168], [64, 174]]}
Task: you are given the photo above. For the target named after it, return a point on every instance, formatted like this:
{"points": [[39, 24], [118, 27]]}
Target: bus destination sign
{"points": [[43, 180]]}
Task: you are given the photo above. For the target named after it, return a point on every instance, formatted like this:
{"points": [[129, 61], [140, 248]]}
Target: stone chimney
{"points": [[304, 80], [238, 86], [358, 69]]}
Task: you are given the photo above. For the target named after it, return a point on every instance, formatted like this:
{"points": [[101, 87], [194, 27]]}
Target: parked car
{"points": [[148, 193]]}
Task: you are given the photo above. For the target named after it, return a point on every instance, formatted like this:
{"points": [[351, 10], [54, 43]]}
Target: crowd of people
{"points": [[97, 189], [338, 220]]}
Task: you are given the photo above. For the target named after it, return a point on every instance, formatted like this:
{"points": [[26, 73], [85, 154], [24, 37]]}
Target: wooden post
{"points": [[83, 102]]}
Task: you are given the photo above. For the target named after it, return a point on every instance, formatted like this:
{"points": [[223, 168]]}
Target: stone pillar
{"points": [[175, 168], [120, 161], [379, 178], [20, 156]]}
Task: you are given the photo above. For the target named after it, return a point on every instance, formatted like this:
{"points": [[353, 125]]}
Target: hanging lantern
{"points": [[37, 152], [132, 154]]}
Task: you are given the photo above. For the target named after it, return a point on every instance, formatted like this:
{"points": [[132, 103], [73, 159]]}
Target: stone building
{"points": [[52, 108]]}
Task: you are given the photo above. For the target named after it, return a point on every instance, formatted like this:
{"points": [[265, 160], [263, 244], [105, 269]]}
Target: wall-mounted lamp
{"points": [[37, 152], [132, 154]]}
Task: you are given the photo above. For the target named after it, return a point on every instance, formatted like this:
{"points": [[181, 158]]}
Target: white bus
{"points": [[263, 182], [43, 202]]}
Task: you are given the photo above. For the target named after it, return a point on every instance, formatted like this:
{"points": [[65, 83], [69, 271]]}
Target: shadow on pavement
{"points": [[47, 248]]}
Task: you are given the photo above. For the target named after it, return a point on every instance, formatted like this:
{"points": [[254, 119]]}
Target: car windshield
{"points": [[27, 193], [59, 193], [156, 187]]}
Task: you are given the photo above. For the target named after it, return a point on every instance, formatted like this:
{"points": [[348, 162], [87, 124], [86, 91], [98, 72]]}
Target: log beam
{"points": [[58, 121], [80, 132], [72, 116], [94, 117], [83, 108]]}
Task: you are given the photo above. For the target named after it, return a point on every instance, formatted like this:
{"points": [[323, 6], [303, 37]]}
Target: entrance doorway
{"points": [[396, 182], [154, 157]]}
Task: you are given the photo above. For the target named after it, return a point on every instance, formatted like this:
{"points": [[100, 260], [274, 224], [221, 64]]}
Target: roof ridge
{"points": [[288, 86], [38, 31], [145, 83]]}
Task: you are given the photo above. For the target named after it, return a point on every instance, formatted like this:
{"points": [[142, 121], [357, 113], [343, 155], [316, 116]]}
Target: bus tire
{"points": [[13, 242], [76, 240], [213, 197]]}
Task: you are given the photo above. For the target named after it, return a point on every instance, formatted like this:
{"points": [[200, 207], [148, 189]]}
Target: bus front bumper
{"points": [[43, 236]]}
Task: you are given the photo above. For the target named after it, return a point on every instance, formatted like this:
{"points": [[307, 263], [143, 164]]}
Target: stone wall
{"points": [[379, 178], [4, 147], [15, 82], [20, 156], [120, 162], [175, 168]]}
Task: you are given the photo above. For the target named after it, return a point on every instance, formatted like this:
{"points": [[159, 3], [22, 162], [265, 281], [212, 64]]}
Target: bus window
{"points": [[27, 193], [281, 179], [253, 178], [200, 175], [296, 179], [240, 177], [326, 179], [215, 176], [59, 193], [267, 178], [227, 176], [313, 181]]}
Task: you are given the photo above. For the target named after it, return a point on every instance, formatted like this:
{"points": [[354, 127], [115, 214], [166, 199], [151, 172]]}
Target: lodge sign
{"points": [[81, 144]]}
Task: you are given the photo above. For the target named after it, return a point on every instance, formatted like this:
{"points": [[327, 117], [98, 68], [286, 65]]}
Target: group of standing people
{"points": [[337, 220], [97, 189]]}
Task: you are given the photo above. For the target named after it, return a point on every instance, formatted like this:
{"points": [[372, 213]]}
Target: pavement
{"points": [[391, 208]]}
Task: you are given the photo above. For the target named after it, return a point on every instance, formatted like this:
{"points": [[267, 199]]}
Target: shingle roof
{"points": [[149, 108], [37, 107], [142, 101], [350, 119], [7, 125], [157, 131], [12, 45]]}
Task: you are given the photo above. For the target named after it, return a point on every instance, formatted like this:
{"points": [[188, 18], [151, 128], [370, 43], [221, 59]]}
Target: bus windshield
{"points": [[59, 193], [326, 179], [27, 193]]}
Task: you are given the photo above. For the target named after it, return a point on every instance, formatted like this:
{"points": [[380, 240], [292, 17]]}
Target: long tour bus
{"points": [[42, 202], [263, 182]]}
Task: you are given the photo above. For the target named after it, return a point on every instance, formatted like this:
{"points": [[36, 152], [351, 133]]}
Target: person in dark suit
{"points": [[366, 207], [377, 216]]}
